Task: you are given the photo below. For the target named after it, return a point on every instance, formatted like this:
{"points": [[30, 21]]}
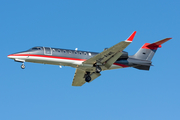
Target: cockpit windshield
{"points": [[36, 48]]}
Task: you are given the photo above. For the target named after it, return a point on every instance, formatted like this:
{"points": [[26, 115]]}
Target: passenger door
{"points": [[47, 51]]}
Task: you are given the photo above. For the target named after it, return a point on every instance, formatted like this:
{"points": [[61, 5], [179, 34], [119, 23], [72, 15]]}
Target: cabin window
{"points": [[59, 50], [89, 54], [53, 50], [64, 51], [75, 52], [70, 52], [85, 53], [80, 53]]}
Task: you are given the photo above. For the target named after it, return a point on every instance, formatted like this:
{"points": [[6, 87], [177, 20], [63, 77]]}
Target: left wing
{"points": [[79, 79], [108, 54]]}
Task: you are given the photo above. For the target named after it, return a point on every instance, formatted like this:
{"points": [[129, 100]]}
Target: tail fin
{"points": [[147, 51]]}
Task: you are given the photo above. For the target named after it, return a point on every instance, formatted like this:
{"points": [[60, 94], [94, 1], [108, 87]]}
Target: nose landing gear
{"points": [[22, 66]]}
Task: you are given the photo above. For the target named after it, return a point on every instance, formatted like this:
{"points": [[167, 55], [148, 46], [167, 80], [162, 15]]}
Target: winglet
{"points": [[131, 37]]}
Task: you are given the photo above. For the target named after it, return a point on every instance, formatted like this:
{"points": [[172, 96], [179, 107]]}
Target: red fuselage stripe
{"points": [[47, 56], [66, 58], [122, 65]]}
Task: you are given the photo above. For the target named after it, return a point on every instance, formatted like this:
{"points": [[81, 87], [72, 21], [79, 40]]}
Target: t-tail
{"points": [[146, 53]]}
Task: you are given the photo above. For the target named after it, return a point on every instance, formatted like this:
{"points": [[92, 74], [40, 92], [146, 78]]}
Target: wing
{"points": [[108, 54], [105, 58], [79, 77]]}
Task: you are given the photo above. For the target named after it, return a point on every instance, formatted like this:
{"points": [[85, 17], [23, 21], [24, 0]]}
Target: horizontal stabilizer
{"points": [[142, 67], [155, 45], [147, 51]]}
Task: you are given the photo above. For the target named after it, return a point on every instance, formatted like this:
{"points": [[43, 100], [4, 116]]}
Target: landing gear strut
{"points": [[87, 77], [22, 66]]}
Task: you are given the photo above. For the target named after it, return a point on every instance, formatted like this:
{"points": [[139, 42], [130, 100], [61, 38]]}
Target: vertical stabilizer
{"points": [[147, 51]]}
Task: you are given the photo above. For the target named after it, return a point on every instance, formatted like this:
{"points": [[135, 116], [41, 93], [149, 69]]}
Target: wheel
{"points": [[22, 66], [88, 78], [98, 69]]}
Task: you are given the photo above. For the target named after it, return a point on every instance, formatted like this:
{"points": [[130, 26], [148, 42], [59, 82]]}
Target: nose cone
{"points": [[11, 56], [15, 55], [19, 55]]}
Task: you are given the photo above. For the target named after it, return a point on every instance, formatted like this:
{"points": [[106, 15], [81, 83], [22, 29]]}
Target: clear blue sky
{"points": [[44, 92]]}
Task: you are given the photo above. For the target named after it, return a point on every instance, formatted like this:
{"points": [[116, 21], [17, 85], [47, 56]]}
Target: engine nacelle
{"points": [[124, 55]]}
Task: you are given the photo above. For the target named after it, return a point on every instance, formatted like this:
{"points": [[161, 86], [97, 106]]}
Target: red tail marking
{"points": [[150, 46]]}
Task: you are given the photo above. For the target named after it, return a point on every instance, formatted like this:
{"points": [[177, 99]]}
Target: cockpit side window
{"points": [[36, 48]]}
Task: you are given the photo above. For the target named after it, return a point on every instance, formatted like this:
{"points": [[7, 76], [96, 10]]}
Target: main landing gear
{"points": [[88, 76], [22, 66], [98, 69]]}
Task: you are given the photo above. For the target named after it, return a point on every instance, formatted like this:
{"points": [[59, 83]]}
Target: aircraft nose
{"points": [[10, 56], [18, 55]]}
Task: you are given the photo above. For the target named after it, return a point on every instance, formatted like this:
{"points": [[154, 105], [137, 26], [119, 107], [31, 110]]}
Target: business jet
{"points": [[89, 65]]}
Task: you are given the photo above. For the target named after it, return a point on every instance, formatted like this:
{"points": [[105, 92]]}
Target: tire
{"points": [[22, 66], [98, 69], [88, 79]]}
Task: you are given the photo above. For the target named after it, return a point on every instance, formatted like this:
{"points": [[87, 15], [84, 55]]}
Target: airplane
{"points": [[89, 65]]}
